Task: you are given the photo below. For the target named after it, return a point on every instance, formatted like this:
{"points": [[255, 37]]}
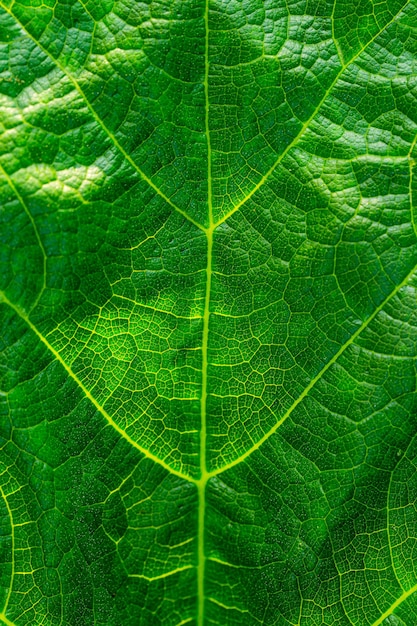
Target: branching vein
{"points": [[109, 419], [108, 132]]}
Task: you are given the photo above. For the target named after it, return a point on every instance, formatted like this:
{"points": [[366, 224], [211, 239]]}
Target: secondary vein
{"points": [[316, 379], [100, 409], [306, 124], [395, 605], [9, 593], [99, 121]]}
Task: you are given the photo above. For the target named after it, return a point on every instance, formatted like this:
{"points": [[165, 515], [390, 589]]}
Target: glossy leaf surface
{"points": [[208, 308]]}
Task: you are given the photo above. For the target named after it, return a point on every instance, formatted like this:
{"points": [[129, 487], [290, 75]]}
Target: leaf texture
{"points": [[208, 289]]}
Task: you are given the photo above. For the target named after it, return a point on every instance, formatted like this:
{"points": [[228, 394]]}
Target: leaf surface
{"points": [[208, 309]]}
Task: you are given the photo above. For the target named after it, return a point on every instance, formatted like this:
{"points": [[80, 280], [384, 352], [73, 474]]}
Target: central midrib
{"points": [[202, 482]]}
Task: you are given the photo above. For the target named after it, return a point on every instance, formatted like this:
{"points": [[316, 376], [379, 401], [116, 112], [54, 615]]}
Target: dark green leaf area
{"points": [[208, 287], [86, 507]]}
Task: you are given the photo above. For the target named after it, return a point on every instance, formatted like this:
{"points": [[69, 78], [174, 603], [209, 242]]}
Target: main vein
{"points": [[203, 435], [204, 356]]}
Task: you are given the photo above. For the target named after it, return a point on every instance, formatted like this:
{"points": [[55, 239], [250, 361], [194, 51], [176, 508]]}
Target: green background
{"points": [[208, 312]]}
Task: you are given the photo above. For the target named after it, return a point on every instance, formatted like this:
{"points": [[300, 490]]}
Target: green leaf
{"points": [[208, 256]]}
